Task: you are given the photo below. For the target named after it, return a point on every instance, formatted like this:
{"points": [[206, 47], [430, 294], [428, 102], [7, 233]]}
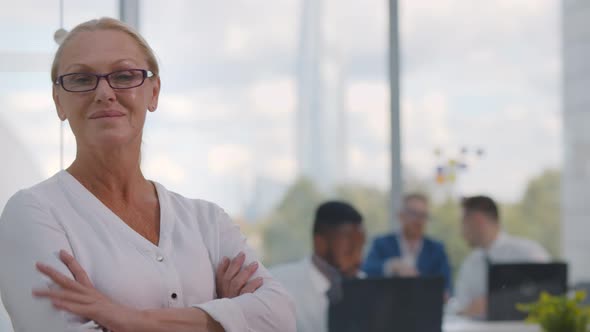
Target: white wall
{"points": [[576, 113]]}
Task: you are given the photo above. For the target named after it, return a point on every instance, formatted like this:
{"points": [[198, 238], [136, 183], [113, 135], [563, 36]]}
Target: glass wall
{"points": [[275, 106], [270, 107]]}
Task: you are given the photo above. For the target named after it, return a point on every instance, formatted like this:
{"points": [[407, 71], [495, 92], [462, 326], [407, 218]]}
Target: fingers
{"points": [[234, 267], [61, 295], [74, 308], [252, 286], [79, 274], [59, 278], [232, 277], [221, 269], [238, 282]]}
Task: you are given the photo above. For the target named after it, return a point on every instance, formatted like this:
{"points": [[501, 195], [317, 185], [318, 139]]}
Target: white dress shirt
{"points": [[408, 259], [308, 287], [60, 213], [5, 325], [472, 278]]}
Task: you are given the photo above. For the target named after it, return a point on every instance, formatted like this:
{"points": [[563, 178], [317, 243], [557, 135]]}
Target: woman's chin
{"points": [[111, 140]]}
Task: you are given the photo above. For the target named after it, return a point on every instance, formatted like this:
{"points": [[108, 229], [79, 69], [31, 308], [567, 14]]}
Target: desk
{"points": [[456, 324]]}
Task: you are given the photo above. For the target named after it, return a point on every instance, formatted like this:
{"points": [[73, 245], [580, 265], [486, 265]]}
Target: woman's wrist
{"points": [[130, 320], [178, 319], [210, 323]]}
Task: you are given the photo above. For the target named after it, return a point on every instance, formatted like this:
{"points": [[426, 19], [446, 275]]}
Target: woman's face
{"points": [[105, 117]]}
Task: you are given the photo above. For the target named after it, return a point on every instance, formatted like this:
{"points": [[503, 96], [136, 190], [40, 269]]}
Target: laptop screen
{"points": [[389, 305], [509, 284]]}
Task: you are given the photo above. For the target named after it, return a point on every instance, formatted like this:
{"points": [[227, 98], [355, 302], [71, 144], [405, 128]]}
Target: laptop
{"points": [[509, 284], [389, 305]]}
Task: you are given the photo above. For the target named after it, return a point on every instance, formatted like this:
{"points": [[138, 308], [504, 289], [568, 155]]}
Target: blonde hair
{"points": [[106, 23]]}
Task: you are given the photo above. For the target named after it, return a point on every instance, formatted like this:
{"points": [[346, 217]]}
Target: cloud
{"points": [[369, 168], [223, 28], [474, 73], [30, 101], [197, 105], [273, 96], [237, 40], [357, 26], [229, 159], [163, 167], [282, 169], [371, 99], [519, 143]]}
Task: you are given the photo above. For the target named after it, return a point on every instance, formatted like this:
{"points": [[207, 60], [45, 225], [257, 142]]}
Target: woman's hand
{"points": [[231, 279], [79, 296]]}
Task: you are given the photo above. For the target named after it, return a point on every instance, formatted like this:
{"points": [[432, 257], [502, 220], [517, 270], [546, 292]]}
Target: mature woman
{"points": [[98, 245]]}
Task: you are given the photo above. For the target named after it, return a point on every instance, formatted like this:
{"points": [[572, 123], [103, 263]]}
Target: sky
{"points": [[474, 73]]}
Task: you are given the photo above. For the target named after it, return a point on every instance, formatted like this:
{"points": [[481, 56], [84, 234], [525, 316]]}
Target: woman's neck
{"points": [[116, 174]]}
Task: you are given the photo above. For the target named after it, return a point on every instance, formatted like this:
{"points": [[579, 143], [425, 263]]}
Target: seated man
{"points": [[482, 231], [409, 253], [338, 240]]}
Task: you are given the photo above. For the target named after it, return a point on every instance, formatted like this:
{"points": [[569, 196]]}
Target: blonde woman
{"points": [[98, 246]]}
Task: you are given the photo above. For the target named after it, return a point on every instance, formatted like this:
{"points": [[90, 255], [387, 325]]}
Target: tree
{"points": [[287, 231], [537, 216], [372, 203]]}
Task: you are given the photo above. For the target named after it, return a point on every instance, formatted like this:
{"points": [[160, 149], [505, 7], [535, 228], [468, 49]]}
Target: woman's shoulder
{"points": [[206, 210], [35, 195], [29, 207]]}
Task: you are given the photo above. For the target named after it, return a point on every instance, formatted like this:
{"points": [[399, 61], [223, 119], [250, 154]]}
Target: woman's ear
{"points": [[60, 113], [155, 95]]}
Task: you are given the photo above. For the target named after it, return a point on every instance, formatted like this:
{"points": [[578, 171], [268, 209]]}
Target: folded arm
{"points": [[254, 307], [269, 308]]}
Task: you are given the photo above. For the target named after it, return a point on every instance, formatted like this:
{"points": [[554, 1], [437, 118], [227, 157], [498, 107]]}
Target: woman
{"points": [[115, 250]]}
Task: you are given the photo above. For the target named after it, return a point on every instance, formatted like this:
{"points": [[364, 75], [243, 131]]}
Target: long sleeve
{"points": [[29, 234], [471, 283], [270, 308], [373, 265]]}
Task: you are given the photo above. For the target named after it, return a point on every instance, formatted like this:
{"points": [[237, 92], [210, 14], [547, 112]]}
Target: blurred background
{"points": [[270, 107]]}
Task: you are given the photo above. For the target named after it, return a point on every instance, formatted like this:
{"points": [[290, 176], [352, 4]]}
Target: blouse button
{"points": [[159, 258]]}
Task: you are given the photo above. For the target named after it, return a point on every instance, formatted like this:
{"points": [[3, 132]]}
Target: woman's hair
{"points": [[106, 23]]}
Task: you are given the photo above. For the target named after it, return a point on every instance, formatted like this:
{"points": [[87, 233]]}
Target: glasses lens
{"points": [[416, 215], [79, 82], [126, 79]]}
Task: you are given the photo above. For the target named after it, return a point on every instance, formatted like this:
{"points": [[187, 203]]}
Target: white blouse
{"points": [[472, 277], [195, 235]]}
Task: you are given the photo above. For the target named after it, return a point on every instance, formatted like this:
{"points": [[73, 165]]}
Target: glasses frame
{"points": [[413, 216], [145, 74]]}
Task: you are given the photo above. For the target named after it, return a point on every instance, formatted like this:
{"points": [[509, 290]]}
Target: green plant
{"points": [[558, 313]]}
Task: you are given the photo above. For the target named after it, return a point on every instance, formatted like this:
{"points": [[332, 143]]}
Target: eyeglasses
{"points": [[416, 215], [121, 79]]}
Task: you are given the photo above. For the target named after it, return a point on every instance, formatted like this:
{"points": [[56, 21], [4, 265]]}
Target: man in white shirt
{"points": [[338, 240], [482, 231]]}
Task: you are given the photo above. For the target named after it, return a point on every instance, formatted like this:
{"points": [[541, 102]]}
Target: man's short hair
{"points": [[415, 196], [332, 214], [482, 204]]}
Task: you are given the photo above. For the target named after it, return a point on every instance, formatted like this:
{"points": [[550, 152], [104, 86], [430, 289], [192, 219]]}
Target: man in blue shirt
{"points": [[409, 253]]}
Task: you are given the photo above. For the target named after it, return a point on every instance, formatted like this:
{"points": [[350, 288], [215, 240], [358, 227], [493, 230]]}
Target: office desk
{"points": [[456, 324]]}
